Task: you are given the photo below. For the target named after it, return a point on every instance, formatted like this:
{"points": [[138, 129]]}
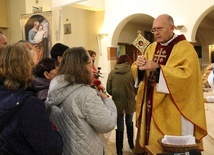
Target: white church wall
{"points": [[14, 32]]}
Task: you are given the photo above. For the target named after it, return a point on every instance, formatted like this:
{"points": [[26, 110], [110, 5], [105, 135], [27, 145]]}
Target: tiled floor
{"points": [[208, 140]]}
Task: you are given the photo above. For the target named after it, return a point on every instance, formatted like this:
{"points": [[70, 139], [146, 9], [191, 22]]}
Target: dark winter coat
{"points": [[25, 128], [120, 85]]}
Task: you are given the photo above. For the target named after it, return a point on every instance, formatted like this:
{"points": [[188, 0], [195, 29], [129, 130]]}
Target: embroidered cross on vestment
{"points": [[160, 56]]}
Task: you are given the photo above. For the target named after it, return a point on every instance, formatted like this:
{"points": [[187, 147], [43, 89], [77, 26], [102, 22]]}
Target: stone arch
{"points": [[123, 22], [198, 22]]}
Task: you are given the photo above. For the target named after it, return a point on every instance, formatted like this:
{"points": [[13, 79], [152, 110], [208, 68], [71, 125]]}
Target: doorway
{"points": [[130, 50]]}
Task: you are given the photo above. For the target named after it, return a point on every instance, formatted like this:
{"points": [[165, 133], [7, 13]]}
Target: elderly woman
{"points": [[24, 123], [79, 112]]}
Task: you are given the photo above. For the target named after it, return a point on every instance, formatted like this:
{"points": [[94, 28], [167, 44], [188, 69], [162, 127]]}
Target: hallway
{"points": [[208, 140]]}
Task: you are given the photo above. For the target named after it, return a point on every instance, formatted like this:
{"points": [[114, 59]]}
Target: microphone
{"points": [[190, 152]]}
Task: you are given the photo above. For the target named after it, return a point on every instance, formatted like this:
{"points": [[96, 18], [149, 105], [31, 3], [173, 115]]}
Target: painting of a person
{"points": [[32, 32], [40, 34], [140, 43], [37, 33]]}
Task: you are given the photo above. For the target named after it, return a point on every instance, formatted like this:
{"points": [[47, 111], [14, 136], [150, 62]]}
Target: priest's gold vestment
{"points": [[183, 78]]}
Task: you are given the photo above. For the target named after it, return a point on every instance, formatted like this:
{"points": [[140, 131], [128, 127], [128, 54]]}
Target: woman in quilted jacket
{"points": [[80, 113], [25, 127]]}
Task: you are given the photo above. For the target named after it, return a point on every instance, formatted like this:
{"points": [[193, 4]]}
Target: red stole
{"points": [[161, 56]]}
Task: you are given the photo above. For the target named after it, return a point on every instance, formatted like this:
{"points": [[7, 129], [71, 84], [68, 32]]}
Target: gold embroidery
{"points": [[160, 56]]}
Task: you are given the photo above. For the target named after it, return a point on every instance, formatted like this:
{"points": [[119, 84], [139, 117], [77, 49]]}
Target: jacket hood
{"points": [[122, 68], [10, 101], [59, 90], [40, 83]]}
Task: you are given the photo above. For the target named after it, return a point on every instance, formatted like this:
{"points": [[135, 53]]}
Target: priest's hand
{"points": [[141, 61], [150, 65]]}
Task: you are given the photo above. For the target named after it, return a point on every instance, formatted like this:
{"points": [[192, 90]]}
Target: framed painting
{"points": [[67, 28], [141, 42], [36, 29]]}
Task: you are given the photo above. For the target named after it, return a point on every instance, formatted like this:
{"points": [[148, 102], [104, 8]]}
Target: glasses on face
{"points": [[157, 29]]}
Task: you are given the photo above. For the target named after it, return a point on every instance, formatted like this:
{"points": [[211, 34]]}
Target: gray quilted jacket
{"points": [[81, 116]]}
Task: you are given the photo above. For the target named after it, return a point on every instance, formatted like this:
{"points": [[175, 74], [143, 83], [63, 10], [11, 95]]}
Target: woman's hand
{"points": [[102, 95]]}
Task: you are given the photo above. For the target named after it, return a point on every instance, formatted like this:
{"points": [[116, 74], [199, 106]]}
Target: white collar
{"points": [[173, 37]]}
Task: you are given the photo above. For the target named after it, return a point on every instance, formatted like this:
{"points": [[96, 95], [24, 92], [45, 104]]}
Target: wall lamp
{"points": [[99, 38], [102, 35], [179, 27]]}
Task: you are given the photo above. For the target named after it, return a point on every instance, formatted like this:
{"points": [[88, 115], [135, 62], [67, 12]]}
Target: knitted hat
{"points": [[58, 49]]}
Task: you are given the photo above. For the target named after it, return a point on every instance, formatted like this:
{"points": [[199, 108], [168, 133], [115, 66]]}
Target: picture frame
{"points": [[141, 43], [67, 28], [112, 53], [36, 29]]}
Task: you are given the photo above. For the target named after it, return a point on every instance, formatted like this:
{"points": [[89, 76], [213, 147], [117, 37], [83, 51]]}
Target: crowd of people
{"points": [[52, 108]]}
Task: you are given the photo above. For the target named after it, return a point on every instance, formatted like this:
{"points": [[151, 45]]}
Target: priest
{"points": [[170, 96]]}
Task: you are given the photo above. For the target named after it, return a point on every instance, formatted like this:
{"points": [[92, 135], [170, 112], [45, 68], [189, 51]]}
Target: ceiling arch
{"points": [[206, 20], [143, 19]]}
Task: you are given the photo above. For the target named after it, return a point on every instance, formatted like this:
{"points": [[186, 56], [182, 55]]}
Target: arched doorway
{"points": [[127, 31], [203, 31]]}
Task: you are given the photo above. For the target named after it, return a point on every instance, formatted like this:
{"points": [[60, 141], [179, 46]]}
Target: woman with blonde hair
{"points": [[24, 123]]}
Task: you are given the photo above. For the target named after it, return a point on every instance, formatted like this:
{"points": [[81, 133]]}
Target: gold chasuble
{"points": [[159, 114]]}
